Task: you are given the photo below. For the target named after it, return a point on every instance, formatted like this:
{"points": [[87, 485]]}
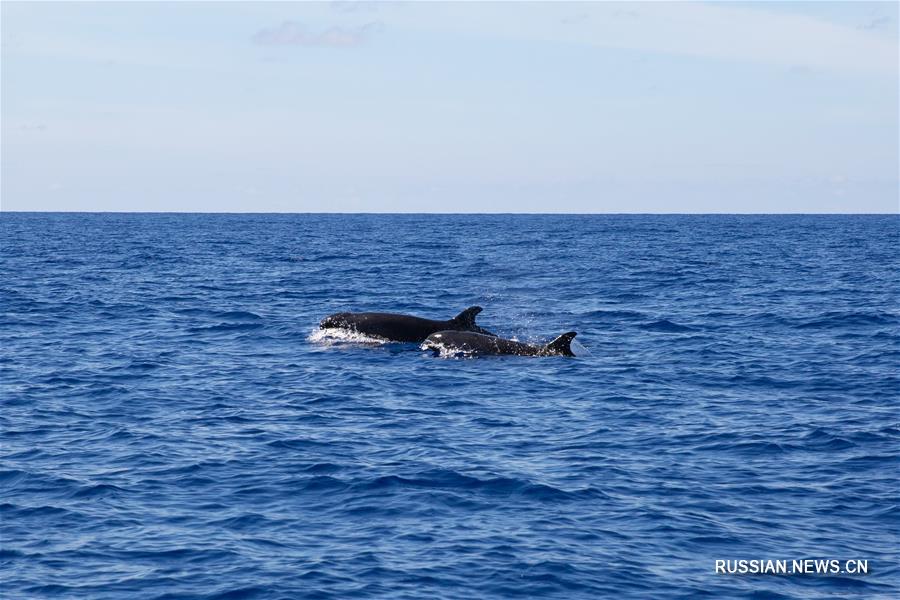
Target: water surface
{"points": [[170, 428]]}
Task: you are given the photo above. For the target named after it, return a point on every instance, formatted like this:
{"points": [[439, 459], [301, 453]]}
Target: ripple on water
{"points": [[173, 424]]}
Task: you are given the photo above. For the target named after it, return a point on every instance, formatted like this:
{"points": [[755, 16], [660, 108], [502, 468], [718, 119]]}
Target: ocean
{"points": [[173, 424]]}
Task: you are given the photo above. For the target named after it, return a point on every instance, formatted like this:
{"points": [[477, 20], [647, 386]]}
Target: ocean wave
{"points": [[665, 326], [454, 481], [839, 319], [97, 491], [226, 328], [172, 428], [238, 315], [615, 315]]}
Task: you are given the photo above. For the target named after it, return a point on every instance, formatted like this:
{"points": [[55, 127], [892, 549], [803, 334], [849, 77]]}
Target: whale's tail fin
{"points": [[561, 345], [465, 321]]}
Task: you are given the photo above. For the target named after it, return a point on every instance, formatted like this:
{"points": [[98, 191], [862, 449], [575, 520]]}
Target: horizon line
{"points": [[180, 212]]}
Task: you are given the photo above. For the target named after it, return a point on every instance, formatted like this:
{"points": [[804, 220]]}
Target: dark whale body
{"points": [[403, 328], [473, 343]]}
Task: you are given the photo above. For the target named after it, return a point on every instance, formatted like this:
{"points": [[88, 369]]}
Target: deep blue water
{"points": [[171, 429]]}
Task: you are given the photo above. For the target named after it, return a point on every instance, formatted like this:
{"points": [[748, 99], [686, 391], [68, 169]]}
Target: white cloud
{"points": [[876, 23], [349, 6], [715, 31], [291, 33]]}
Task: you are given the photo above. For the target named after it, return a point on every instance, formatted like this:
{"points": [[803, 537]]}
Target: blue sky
{"points": [[450, 107]]}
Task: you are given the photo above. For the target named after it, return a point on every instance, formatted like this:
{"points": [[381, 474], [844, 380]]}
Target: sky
{"points": [[662, 107]]}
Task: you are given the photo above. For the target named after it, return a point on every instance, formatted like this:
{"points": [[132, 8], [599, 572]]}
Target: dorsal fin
{"points": [[466, 319], [561, 345]]}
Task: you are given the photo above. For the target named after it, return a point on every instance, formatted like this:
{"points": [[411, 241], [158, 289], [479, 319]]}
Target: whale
{"points": [[472, 343], [403, 328]]}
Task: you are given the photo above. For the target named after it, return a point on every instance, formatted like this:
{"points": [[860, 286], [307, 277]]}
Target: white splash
{"points": [[579, 349], [337, 335], [443, 351]]}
